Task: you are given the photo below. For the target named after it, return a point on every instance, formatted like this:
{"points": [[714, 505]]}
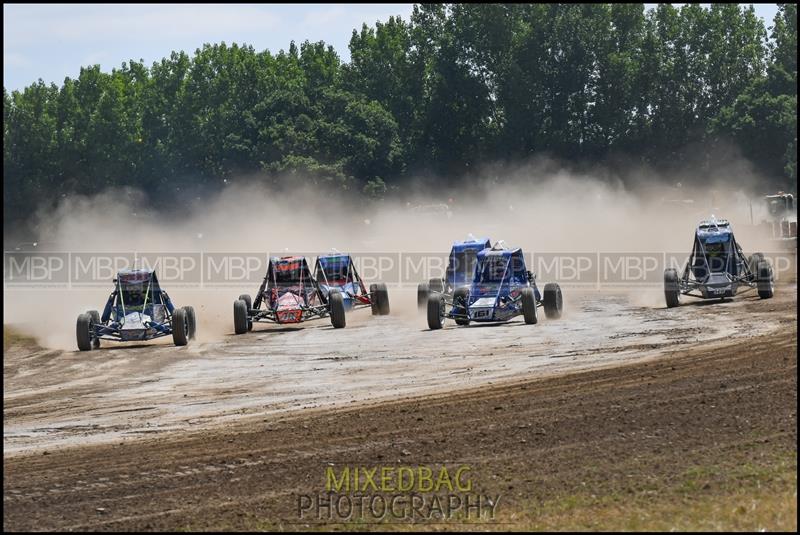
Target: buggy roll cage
{"points": [[117, 295], [735, 258], [514, 255], [503, 296], [304, 270], [110, 330], [351, 275]]}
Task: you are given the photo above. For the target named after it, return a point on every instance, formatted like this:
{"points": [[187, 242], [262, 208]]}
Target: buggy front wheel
{"points": [[247, 300], [553, 300], [436, 311], [461, 300], [94, 317], [422, 294], [671, 289], [336, 302], [83, 332], [240, 317], [191, 319], [764, 280], [380, 299], [529, 306], [180, 327]]}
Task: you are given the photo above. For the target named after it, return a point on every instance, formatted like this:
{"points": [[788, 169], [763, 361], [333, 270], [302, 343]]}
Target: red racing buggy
{"points": [[288, 294]]}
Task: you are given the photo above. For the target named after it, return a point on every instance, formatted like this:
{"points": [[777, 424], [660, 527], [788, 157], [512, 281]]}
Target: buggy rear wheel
{"points": [[553, 301], [422, 294], [671, 288], [83, 332], [240, 317], [461, 301], [764, 280], [373, 300], [380, 299], [94, 316], [249, 303], [336, 302], [752, 263], [436, 285], [529, 306], [180, 327], [435, 311], [191, 319]]}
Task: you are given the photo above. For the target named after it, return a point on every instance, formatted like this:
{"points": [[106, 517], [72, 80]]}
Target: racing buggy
{"points": [[138, 309], [501, 288], [288, 294], [460, 269], [336, 272], [717, 267]]}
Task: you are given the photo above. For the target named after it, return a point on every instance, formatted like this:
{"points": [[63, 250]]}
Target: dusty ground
{"points": [[54, 398], [614, 403]]}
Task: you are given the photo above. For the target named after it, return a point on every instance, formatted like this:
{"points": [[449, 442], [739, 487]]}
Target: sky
{"points": [[53, 41]]}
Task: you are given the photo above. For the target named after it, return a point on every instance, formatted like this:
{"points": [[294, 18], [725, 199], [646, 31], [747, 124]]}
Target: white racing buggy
{"points": [[137, 310], [717, 267]]}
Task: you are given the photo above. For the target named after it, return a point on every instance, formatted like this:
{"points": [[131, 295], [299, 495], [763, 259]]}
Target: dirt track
{"points": [[669, 388], [54, 398]]}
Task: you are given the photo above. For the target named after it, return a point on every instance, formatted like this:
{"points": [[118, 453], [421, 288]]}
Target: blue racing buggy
{"points": [[717, 267], [501, 289], [288, 294], [138, 309], [336, 272], [459, 273]]}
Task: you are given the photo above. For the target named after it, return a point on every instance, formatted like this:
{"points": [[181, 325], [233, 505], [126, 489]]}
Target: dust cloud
{"points": [[537, 206]]}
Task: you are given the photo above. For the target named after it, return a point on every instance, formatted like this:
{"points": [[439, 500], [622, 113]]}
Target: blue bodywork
{"points": [[714, 250], [716, 266], [462, 261], [498, 279], [714, 234]]}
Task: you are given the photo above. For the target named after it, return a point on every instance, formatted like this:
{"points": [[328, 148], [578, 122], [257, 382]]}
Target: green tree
{"points": [[455, 86]]}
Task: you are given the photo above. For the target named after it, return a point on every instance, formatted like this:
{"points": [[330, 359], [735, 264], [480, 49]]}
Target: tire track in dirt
{"points": [[61, 399], [622, 429]]}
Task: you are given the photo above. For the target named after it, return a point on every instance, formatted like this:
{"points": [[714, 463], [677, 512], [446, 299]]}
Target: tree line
{"points": [[453, 87]]}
